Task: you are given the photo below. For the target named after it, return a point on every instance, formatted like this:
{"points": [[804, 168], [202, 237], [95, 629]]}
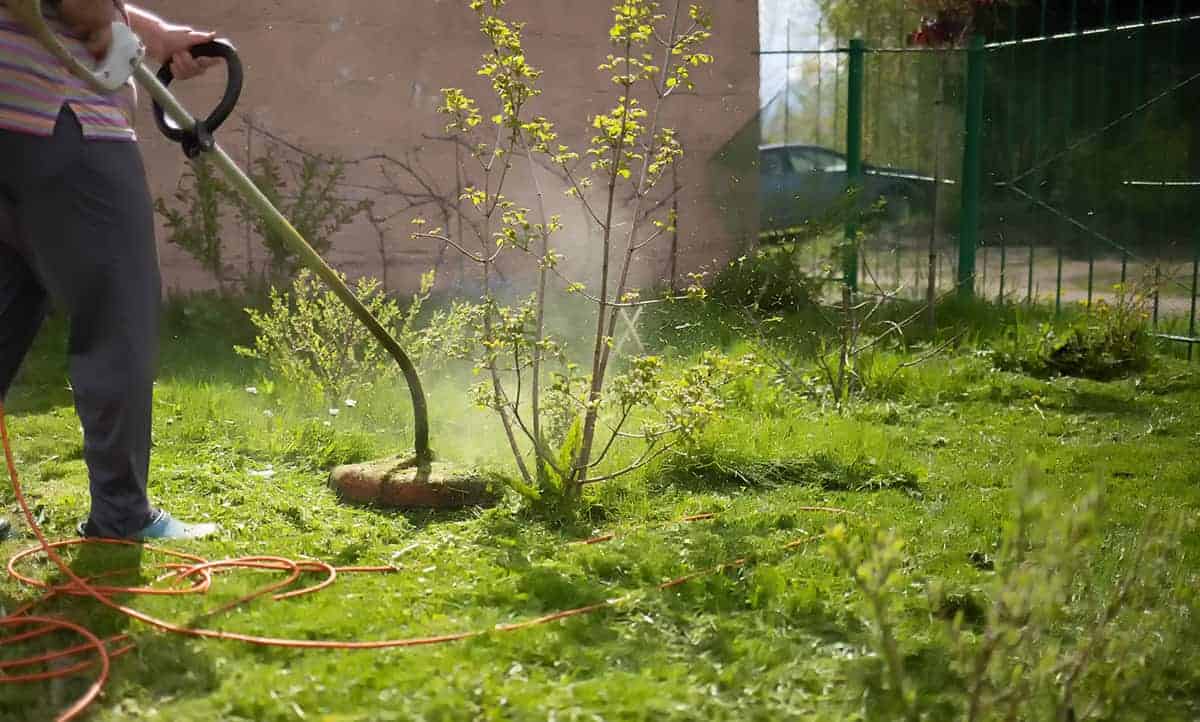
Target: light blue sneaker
{"points": [[165, 526], [162, 526]]}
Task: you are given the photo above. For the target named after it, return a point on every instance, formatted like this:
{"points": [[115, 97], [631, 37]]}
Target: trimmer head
{"points": [[400, 483]]}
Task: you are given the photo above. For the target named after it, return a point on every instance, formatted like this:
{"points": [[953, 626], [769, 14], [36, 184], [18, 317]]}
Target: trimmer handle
{"points": [[200, 139]]}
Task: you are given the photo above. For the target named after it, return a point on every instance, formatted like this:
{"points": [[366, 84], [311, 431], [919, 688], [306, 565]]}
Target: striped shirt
{"points": [[35, 85]]}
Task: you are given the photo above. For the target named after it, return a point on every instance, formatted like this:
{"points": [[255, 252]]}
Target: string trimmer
{"points": [[412, 480]]}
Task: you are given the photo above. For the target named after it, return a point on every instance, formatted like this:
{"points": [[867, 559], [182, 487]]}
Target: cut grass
{"points": [[777, 639]]}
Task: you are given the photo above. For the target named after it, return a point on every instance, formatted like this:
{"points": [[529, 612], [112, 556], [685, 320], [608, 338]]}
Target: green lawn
{"points": [[781, 638]]}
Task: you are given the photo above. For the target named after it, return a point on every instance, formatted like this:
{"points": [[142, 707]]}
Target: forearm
{"points": [[143, 22], [150, 28], [164, 41]]}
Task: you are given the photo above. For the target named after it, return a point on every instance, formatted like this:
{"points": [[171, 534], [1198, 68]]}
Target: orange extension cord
{"points": [[194, 575]]}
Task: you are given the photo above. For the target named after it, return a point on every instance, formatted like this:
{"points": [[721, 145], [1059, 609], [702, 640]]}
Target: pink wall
{"points": [[363, 77]]}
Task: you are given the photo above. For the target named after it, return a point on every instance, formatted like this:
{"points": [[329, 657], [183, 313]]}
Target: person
{"points": [[77, 231]]}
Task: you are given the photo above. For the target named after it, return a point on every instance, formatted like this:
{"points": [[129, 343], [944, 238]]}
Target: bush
{"points": [[195, 224], [1108, 341], [1071, 621], [769, 279], [307, 193], [311, 340], [562, 420]]}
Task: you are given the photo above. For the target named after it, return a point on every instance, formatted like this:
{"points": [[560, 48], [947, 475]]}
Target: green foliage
{"points": [[568, 420], [1107, 341], [195, 223], [781, 638], [310, 339], [307, 194], [317, 445], [874, 562], [769, 279], [1048, 636], [1057, 641]]}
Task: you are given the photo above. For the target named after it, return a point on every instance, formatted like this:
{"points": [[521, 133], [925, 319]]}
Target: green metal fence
{"points": [[1050, 168]]}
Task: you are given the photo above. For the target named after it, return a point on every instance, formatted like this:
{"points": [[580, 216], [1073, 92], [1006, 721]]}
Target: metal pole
{"points": [[286, 232], [1003, 266], [787, 89], [1139, 126], [854, 165], [1069, 122], [1139, 78], [248, 227], [1157, 296], [1195, 289], [1091, 271], [1058, 282], [1175, 30], [837, 89], [968, 236], [820, 73]]}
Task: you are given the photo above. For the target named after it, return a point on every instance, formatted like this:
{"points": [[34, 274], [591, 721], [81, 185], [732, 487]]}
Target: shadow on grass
{"points": [[42, 384], [1104, 401]]}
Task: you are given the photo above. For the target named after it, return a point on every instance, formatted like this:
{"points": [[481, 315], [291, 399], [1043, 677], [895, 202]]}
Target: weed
{"points": [[1107, 341]]}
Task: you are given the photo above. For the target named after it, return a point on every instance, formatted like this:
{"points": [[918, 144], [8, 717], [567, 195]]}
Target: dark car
{"points": [[801, 183]]}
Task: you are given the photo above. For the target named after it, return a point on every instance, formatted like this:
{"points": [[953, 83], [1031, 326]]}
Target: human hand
{"points": [[173, 43]]}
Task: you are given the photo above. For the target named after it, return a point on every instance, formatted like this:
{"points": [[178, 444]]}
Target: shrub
{"points": [[1109, 341], [769, 279], [195, 224], [1073, 622], [307, 193], [311, 340]]}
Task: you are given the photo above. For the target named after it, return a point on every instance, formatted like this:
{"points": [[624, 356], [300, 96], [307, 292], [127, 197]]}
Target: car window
{"points": [[800, 162], [828, 161], [772, 163]]}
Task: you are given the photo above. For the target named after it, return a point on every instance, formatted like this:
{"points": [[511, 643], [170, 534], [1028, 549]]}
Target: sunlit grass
{"points": [[934, 458]]}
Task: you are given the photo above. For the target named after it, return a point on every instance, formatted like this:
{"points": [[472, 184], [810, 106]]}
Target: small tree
{"points": [[195, 224], [570, 419], [307, 192]]}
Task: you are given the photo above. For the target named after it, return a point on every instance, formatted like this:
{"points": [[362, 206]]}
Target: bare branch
{"points": [[646, 459], [452, 243]]}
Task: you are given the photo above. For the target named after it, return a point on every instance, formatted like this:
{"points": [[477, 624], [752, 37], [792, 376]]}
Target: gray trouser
{"points": [[77, 230]]}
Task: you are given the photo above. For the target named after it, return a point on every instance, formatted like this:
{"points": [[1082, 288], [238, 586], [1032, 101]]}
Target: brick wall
{"points": [[363, 77]]}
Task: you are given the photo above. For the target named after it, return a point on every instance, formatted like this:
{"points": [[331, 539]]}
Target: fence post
{"points": [[1195, 292], [968, 236], [854, 164]]}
